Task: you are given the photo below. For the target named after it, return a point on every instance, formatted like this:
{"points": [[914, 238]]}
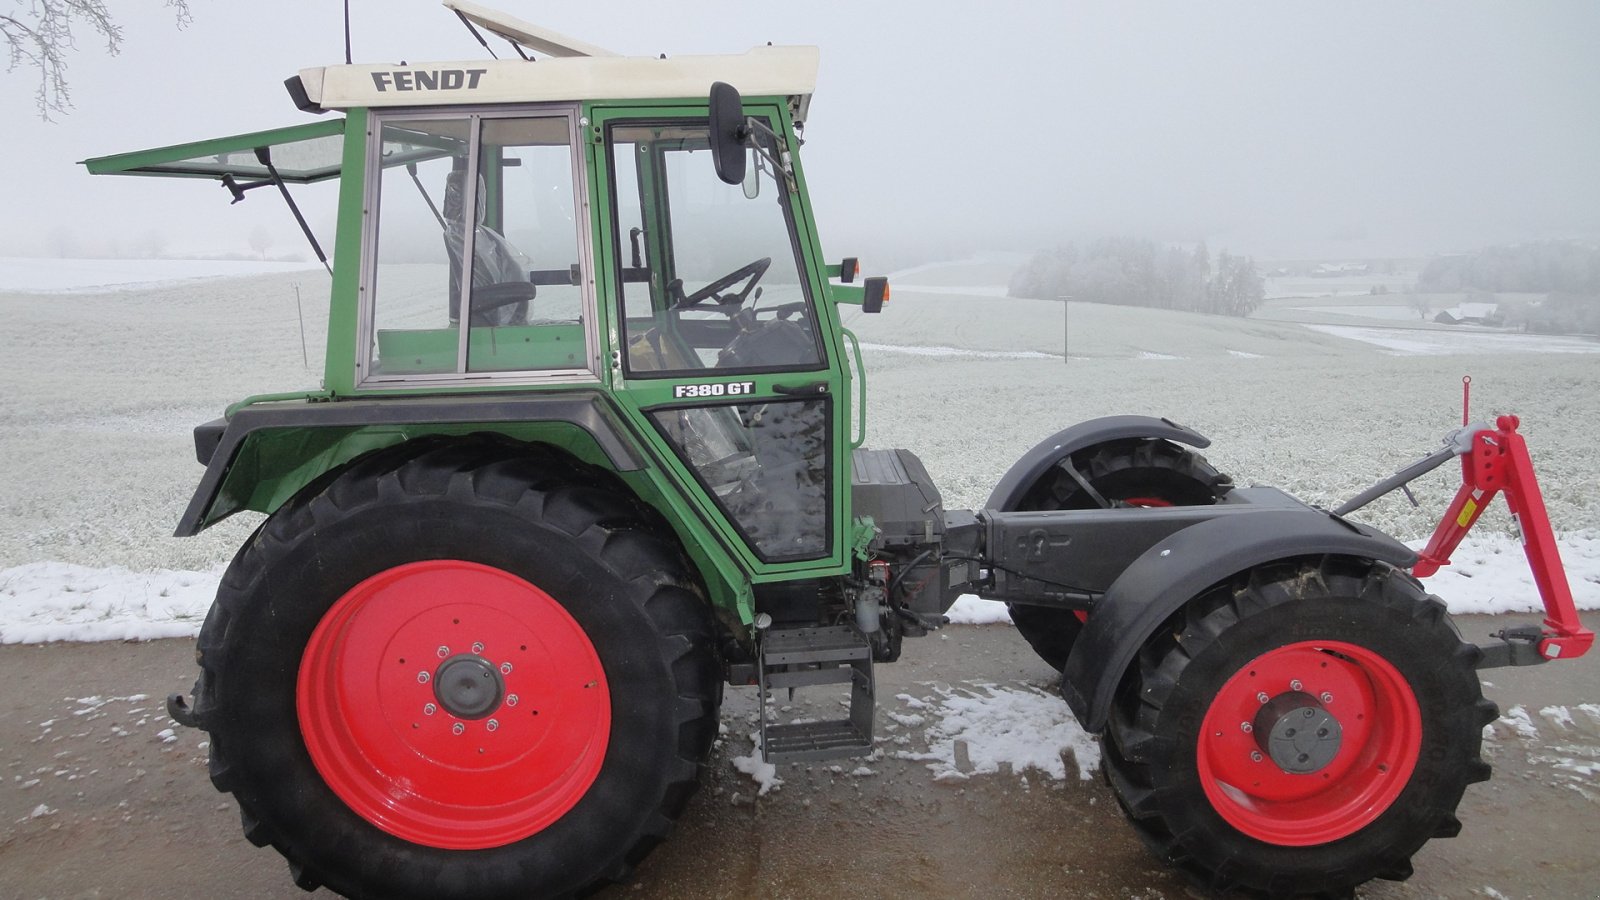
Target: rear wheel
{"points": [[1300, 732], [467, 671], [1134, 472]]}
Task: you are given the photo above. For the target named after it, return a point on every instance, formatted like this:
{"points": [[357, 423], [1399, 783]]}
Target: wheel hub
{"points": [[1298, 733], [468, 686]]}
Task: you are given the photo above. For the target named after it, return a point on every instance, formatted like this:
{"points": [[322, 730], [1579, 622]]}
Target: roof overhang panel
{"points": [[762, 72]]}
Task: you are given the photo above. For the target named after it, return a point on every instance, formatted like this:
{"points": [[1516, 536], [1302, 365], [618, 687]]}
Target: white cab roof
{"points": [[569, 70]]}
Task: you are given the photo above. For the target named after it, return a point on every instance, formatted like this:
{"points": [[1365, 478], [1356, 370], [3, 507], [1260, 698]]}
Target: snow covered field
{"points": [[105, 386], [96, 275]]}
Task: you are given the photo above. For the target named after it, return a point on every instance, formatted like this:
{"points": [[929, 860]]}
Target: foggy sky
{"points": [[939, 128]]}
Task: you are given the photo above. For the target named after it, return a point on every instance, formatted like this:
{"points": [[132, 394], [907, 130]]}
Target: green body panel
{"points": [[339, 375], [505, 347]]}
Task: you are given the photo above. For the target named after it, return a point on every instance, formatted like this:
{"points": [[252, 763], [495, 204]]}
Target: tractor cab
{"points": [[591, 225]]}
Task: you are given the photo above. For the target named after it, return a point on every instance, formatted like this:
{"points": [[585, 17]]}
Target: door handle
{"points": [[801, 390]]}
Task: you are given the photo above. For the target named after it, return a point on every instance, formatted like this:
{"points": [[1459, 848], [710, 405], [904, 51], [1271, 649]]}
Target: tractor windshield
{"points": [[711, 276]]}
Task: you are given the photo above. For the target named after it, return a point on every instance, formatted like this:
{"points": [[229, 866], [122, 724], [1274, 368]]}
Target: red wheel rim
{"points": [[1370, 703], [441, 761]]}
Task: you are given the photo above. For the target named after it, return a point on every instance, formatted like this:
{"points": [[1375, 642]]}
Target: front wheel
{"points": [[1301, 731], [468, 671]]}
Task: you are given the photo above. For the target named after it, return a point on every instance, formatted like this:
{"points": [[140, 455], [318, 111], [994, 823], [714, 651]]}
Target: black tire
{"points": [[1126, 470], [513, 512], [1166, 761]]}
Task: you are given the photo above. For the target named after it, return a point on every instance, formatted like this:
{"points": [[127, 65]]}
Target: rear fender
{"points": [[1181, 567], [262, 454], [1036, 462]]}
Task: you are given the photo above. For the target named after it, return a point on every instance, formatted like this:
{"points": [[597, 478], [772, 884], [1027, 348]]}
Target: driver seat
{"points": [[499, 270]]}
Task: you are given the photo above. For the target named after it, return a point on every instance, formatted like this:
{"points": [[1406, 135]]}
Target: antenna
{"points": [[347, 32]]}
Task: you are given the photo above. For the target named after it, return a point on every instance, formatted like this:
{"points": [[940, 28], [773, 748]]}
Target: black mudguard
{"points": [[1033, 464], [1181, 567]]}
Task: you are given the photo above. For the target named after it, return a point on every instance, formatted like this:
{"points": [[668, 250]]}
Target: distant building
{"points": [[1334, 270], [1471, 314]]}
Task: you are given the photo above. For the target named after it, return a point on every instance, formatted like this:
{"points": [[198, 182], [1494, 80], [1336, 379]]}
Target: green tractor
{"points": [[588, 448]]}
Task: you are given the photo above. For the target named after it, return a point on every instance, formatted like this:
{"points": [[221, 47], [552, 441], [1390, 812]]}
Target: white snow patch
{"points": [[51, 601], [1241, 354], [1023, 726], [40, 811], [1519, 721], [1489, 574], [763, 773], [970, 609], [167, 735], [1147, 354], [1558, 715], [1416, 342]]}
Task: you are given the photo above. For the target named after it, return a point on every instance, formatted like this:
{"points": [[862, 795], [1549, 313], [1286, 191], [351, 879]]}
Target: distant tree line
{"points": [[1139, 272], [1568, 272], [1541, 267]]}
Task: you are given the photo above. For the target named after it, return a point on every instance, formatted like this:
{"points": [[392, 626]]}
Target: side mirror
{"points": [[728, 133], [875, 292]]}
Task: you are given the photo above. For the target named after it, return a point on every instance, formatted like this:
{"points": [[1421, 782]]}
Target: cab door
{"points": [[723, 353]]}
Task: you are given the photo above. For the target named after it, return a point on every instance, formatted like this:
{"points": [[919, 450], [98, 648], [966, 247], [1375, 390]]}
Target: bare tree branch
{"points": [[39, 35]]}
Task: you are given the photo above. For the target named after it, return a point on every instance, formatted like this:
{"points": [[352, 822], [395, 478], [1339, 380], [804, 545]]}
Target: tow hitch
{"points": [[1496, 461]]}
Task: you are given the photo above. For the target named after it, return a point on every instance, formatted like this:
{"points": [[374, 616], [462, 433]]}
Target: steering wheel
{"points": [[753, 272]]}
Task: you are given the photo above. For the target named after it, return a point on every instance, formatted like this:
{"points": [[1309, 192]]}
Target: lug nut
{"points": [[505, 668], [1326, 697], [493, 724], [477, 646], [443, 651], [429, 709], [511, 699], [1246, 727], [1294, 685], [1255, 756], [1262, 697], [422, 677], [457, 728]]}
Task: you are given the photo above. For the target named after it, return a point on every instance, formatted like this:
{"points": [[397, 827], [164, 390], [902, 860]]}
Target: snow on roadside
{"points": [[990, 726], [52, 601]]}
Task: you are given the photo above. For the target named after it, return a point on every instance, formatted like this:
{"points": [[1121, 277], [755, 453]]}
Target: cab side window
{"points": [[475, 251]]}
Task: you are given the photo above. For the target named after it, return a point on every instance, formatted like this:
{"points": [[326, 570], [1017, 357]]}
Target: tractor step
{"points": [[805, 657]]}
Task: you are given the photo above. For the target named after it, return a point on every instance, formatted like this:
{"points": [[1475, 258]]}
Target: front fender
{"points": [[1033, 464], [1181, 567]]}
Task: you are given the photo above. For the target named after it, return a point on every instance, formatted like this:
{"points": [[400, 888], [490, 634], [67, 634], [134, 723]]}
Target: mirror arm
{"points": [[778, 161]]}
